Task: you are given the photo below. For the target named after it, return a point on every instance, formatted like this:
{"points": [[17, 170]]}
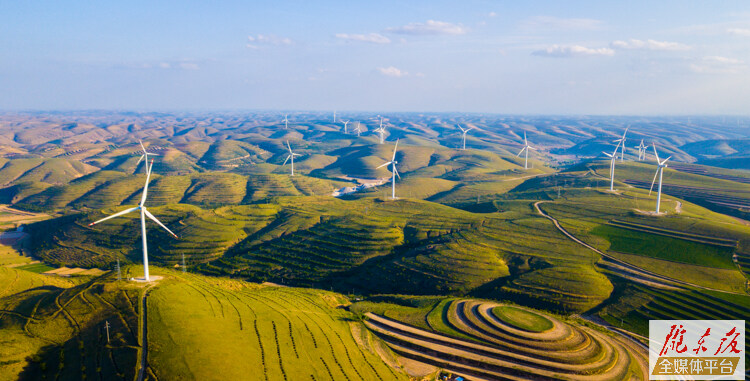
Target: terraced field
{"points": [[477, 339]]}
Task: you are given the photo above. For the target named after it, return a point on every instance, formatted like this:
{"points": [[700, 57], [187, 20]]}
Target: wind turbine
{"points": [[334, 116], [660, 165], [464, 131], [526, 148], [145, 155], [286, 121], [358, 130], [144, 213], [621, 141], [641, 150], [381, 130], [290, 156], [613, 157], [394, 171], [345, 123]]}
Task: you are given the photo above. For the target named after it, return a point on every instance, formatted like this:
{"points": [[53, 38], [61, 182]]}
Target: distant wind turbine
{"points": [[345, 123], [286, 121], [144, 213], [660, 165], [381, 131], [613, 158], [144, 156], [290, 156], [464, 131], [621, 142], [394, 171], [526, 148], [334, 116], [358, 130], [641, 150]]}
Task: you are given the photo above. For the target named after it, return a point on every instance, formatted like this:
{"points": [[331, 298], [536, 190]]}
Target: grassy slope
{"points": [[301, 333]]}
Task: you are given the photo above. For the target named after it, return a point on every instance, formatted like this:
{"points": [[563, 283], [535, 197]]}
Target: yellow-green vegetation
{"points": [[522, 318], [274, 333], [9, 256], [50, 329]]}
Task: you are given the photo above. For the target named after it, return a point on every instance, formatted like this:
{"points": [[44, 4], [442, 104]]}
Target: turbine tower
{"points": [[334, 116], [358, 130], [526, 148], [464, 131], [345, 123], [290, 156], [660, 165], [613, 157], [621, 141], [145, 155], [641, 151], [286, 121], [144, 213], [394, 171]]}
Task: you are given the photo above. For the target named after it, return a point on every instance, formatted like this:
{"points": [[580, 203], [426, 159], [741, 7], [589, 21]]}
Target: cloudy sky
{"points": [[538, 57]]}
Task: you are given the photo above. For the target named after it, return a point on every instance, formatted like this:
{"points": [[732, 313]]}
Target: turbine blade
{"points": [[394, 151], [118, 214], [656, 153], [145, 187], [288, 146], [665, 160], [607, 153], [141, 159], [521, 151], [383, 165], [653, 181], [526, 142], [396, 172], [151, 216], [142, 147], [287, 159]]}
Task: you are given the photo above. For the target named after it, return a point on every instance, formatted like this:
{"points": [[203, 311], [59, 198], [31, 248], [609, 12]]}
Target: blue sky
{"points": [[531, 57]]}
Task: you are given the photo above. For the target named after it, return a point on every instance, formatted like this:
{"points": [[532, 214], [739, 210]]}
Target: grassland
{"points": [[522, 319]]}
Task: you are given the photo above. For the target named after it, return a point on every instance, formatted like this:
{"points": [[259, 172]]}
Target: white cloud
{"points": [[492, 14], [718, 65], [739, 32], [634, 44], [431, 27], [547, 22], [392, 71], [572, 51], [164, 65], [374, 38], [723, 60], [267, 39]]}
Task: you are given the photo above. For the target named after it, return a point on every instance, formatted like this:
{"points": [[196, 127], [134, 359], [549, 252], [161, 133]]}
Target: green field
{"points": [[522, 319]]}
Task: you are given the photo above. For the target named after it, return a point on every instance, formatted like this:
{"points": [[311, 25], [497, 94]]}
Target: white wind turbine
{"points": [[345, 123], [381, 131], [526, 148], [394, 171], [334, 116], [613, 158], [290, 156], [464, 131], [144, 213], [621, 141], [286, 121], [144, 156], [660, 165], [358, 130], [641, 150]]}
